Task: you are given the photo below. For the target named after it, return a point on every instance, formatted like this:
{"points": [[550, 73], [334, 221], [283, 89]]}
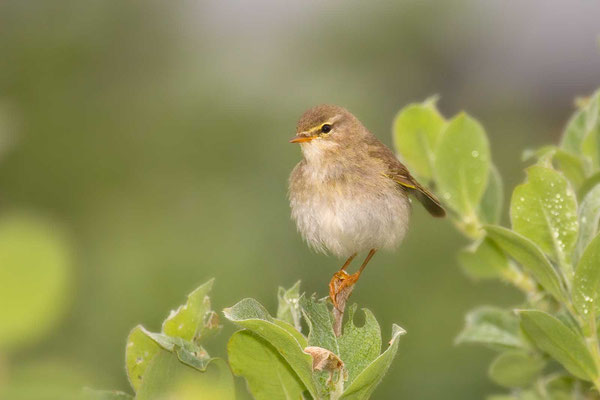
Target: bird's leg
{"points": [[348, 262], [338, 277], [342, 280]]}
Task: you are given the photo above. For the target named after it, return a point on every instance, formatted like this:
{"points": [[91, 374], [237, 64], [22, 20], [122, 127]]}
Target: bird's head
{"points": [[327, 126]]}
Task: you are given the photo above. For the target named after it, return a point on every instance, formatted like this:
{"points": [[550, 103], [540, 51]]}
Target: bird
{"points": [[350, 193]]}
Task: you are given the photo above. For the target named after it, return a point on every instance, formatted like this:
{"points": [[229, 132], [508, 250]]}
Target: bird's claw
{"points": [[340, 281]]}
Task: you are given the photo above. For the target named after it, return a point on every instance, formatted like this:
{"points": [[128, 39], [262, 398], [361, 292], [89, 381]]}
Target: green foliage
{"points": [[526, 253], [251, 315], [462, 164], [492, 326], [551, 252], [173, 363], [516, 368], [417, 128], [268, 374], [589, 214], [367, 380], [544, 210], [272, 354], [319, 364], [359, 346], [563, 344], [586, 285]]}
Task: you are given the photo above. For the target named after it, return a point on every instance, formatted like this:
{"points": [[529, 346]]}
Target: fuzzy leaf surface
{"points": [[544, 210], [365, 383], [319, 320], [491, 326], [531, 258], [140, 351], [267, 373], [250, 314], [586, 285], [288, 308], [589, 218], [168, 378], [193, 321], [515, 369], [416, 131], [560, 342], [462, 163], [359, 346], [490, 208]]}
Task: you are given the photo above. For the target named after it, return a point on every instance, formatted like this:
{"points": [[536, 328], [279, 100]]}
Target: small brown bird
{"points": [[350, 193]]}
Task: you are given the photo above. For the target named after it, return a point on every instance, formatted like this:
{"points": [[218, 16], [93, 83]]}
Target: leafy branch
{"points": [[551, 252], [273, 355]]}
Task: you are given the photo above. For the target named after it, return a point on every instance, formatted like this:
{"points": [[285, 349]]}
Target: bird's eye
{"points": [[326, 128]]}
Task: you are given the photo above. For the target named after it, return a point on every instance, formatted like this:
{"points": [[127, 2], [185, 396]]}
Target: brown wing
{"points": [[400, 174]]}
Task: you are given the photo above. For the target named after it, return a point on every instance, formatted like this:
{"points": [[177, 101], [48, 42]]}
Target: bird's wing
{"points": [[400, 174]]}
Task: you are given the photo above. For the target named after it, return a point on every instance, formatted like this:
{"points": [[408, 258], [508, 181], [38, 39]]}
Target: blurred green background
{"points": [[143, 150]]}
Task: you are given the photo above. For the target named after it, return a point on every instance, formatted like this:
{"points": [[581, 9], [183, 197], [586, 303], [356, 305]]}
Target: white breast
{"points": [[345, 216]]}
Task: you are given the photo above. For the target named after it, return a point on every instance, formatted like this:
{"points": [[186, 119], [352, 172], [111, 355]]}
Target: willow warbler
{"points": [[350, 193]]}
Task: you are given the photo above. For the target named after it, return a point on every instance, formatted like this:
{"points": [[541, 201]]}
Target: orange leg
{"points": [[348, 262], [342, 279]]}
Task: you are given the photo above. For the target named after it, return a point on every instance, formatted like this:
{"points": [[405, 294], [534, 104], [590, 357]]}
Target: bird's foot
{"points": [[340, 287]]}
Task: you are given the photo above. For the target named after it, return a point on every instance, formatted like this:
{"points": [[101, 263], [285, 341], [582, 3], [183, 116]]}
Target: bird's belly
{"points": [[344, 225]]}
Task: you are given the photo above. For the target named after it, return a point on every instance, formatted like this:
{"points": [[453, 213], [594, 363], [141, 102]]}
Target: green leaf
{"points": [[462, 162], [586, 285], [365, 383], [563, 387], [35, 278], [574, 133], [590, 145], [484, 261], [359, 346], [140, 351], [579, 134], [90, 394], [195, 320], [317, 316], [168, 378], [491, 326], [560, 342], [515, 369], [490, 208], [589, 218], [544, 209], [417, 129], [188, 352], [571, 166], [589, 184], [526, 253], [288, 308], [249, 314], [142, 346], [268, 375]]}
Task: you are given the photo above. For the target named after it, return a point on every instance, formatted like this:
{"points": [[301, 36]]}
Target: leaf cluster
{"points": [[548, 345], [272, 354]]}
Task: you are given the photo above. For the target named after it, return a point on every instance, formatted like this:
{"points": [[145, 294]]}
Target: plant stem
{"points": [[338, 312], [338, 388]]}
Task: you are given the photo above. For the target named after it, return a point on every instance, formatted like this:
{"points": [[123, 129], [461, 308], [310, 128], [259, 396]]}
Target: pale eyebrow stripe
{"points": [[316, 128]]}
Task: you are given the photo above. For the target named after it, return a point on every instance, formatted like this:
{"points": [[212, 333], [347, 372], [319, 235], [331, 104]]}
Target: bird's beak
{"points": [[301, 139]]}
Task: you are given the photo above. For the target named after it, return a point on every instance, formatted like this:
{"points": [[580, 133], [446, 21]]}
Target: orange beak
{"points": [[301, 139]]}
